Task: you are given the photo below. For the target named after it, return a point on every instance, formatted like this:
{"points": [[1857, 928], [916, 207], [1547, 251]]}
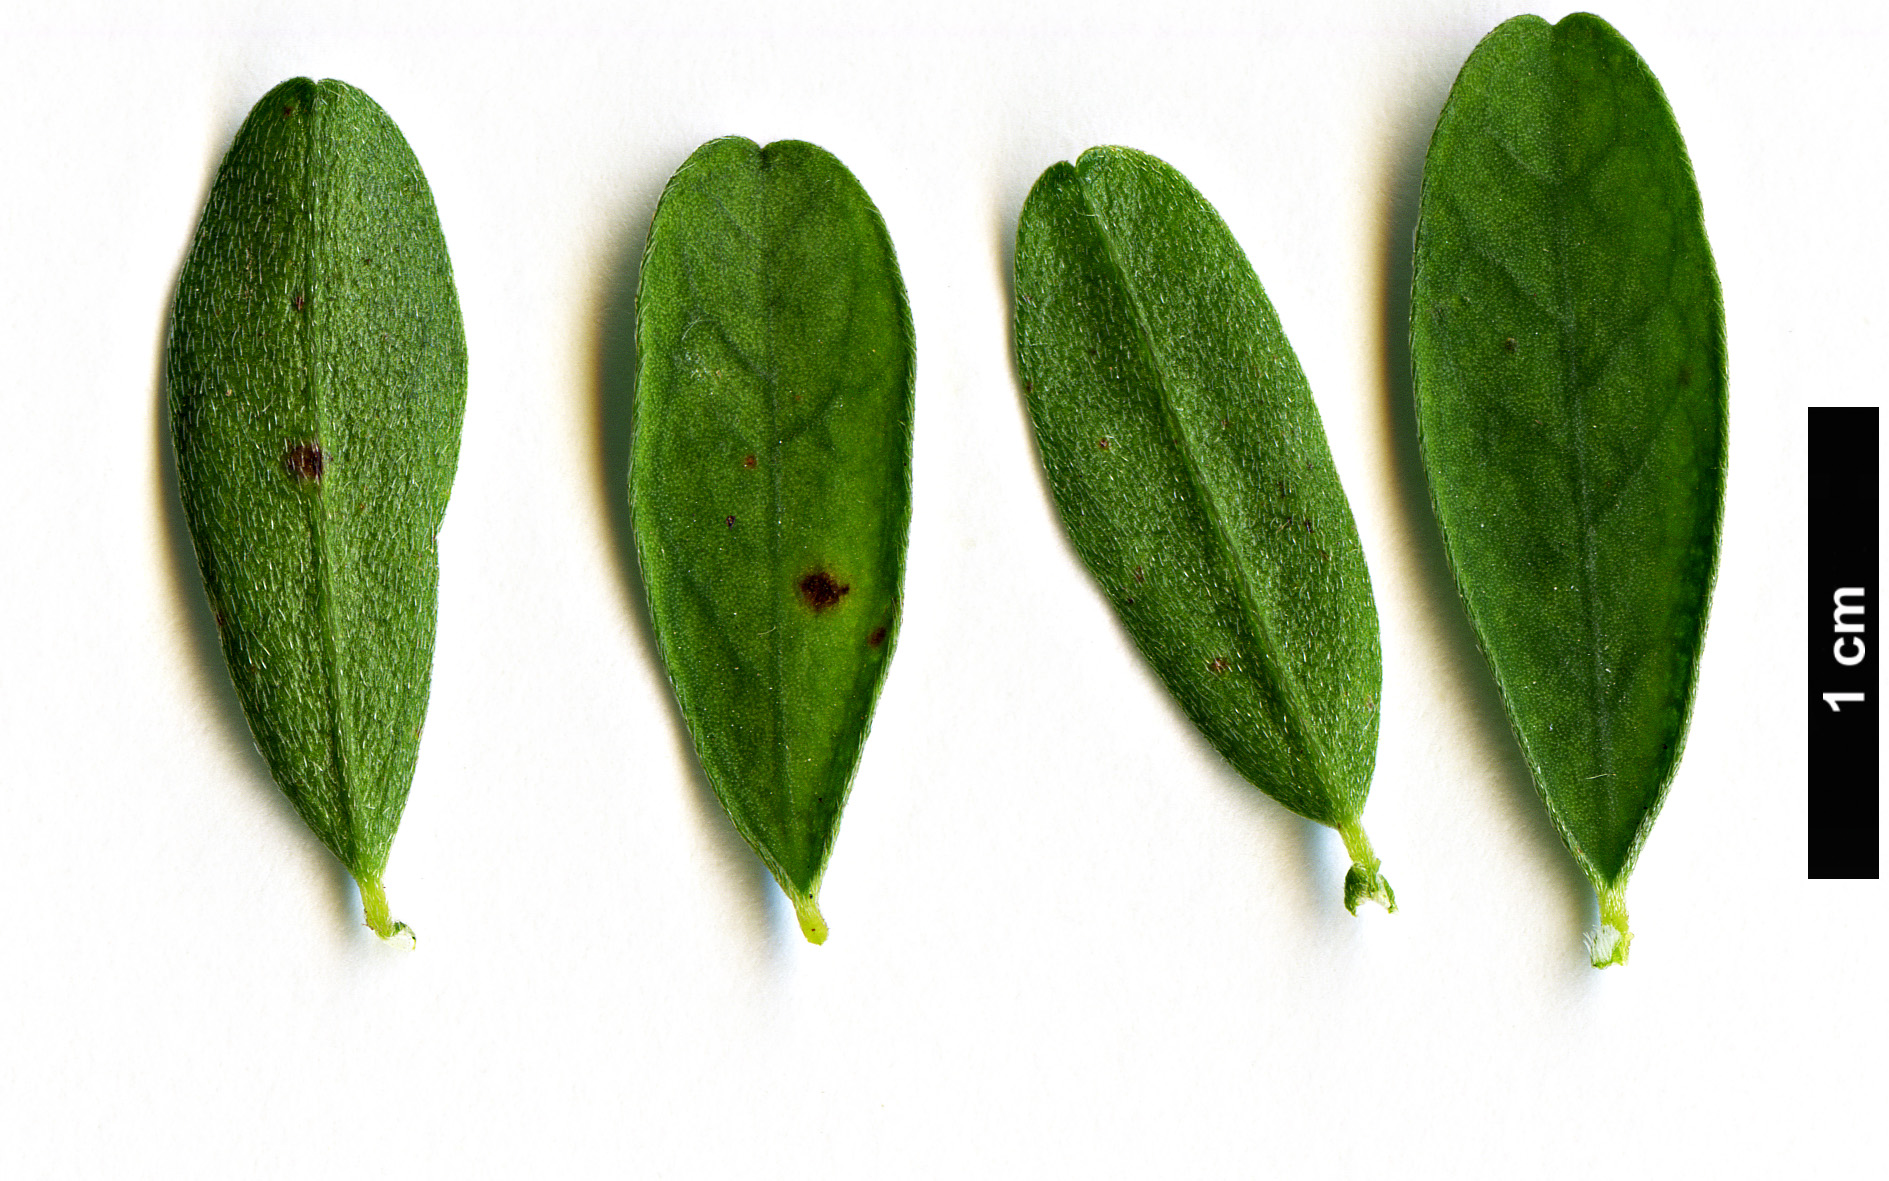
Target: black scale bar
{"points": [[1846, 638]]}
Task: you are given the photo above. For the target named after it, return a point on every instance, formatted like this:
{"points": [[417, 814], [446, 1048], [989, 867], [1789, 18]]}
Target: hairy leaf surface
{"points": [[770, 481], [317, 379], [1569, 352], [1191, 470]]}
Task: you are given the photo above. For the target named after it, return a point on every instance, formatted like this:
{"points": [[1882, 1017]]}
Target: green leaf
{"points": [[1191, 470], [317, 377], [1569, 353], [770, 481]]}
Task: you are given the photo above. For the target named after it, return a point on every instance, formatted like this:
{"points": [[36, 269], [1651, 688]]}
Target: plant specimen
{"points": [[1568, 343], [317, 380], [1190, 467], [770, 481]]}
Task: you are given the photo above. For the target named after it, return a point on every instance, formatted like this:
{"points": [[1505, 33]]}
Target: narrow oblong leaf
{"points": [[1190, 467], [317, 380], [1568, 345], [770, 481]]}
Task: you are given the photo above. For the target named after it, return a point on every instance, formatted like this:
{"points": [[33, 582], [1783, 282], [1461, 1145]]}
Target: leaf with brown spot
{"points": [[774, 384], [305, 386]]}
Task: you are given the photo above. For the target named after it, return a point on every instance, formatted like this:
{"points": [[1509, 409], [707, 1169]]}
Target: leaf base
{"points": [[807, 910], [1363, 880], [1608, 944], [379, 920]]}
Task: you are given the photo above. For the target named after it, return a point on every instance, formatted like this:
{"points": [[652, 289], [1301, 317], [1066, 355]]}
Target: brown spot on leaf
{"points": [[748, 462], [1508, 343], [1139, 576], [304, 461], [1218, 664], [288, 111], [731, 521], [877, 637], [1029, 387], [821, 591], [1102, 443], [299, 302]]}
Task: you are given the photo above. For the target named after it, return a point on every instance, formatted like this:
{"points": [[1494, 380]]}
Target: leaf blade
{"points": [[316, 375], [771, 481], [1567, 344], [1191, 471]]}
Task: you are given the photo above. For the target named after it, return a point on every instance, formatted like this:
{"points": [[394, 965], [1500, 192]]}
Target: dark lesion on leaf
{"points": [[299, 301], [876, 638], [820, 591], [304, 461]]}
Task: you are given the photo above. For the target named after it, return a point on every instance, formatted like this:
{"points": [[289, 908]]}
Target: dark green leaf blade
{"points": [[317, 381], [770, 481], [1568, 344], [1190, 467]]}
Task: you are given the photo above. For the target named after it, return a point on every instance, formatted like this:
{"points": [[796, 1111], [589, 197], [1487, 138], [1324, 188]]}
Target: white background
{"points": [[1067, 939]]}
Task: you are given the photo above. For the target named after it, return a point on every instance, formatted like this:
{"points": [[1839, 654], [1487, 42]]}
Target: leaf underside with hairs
{"points": [[317, 380], [1190, 468]]}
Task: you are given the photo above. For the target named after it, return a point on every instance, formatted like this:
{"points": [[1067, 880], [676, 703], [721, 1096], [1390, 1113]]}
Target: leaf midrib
{"points": [[315, 311], [1276, 677], [1574, 395]]}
